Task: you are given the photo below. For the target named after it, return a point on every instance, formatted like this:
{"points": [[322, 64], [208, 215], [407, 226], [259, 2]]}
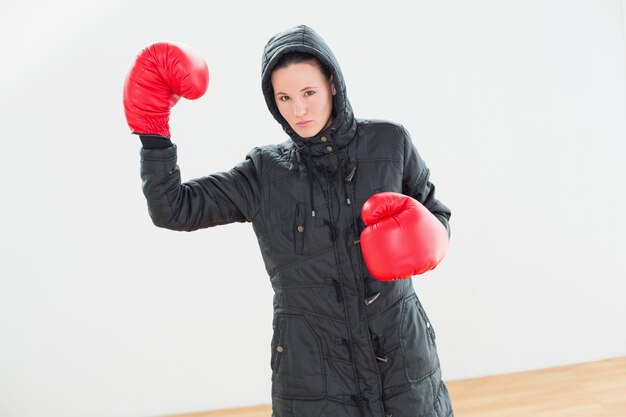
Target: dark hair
{"points": [[299, 57]]}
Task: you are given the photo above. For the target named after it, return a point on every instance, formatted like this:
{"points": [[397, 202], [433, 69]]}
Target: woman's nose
{"points": [[299, 108]]}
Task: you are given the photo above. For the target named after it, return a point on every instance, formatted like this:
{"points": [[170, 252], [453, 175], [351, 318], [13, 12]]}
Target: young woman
{"points": [[350, 335]]}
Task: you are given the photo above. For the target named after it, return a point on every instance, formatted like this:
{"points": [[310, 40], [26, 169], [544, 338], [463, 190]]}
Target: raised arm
{"points": [[161, 74]]}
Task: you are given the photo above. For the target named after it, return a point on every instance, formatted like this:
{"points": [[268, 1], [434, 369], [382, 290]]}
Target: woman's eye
{"points": [[283, 98], [309, 93]]}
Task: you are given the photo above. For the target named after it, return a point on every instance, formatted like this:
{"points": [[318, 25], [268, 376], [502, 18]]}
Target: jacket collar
{"points": [[329, 141]]}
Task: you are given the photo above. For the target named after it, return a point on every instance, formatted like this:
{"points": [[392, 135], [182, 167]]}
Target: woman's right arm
{"points": [[221, 198], [161, 74]]}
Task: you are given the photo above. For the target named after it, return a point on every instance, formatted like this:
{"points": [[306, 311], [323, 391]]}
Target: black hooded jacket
{"points": [[344, 344]]}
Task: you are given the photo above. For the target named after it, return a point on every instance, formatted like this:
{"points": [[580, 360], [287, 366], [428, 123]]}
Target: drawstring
{"points": [[346, 182], [327, 223], [332, 229], [337, 286], [310, 175]]}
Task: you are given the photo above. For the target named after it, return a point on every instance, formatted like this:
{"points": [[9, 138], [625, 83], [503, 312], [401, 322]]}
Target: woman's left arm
{"points": [[416, 182]]}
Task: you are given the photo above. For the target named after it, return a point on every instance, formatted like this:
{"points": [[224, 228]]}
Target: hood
{"points": [[304, 39]]}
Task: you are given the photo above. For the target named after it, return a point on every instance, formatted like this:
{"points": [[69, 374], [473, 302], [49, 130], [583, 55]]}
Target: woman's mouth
{"points": [[304, 123]]}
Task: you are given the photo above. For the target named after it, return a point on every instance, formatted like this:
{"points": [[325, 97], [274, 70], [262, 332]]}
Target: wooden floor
{"points": [[595, 389]]}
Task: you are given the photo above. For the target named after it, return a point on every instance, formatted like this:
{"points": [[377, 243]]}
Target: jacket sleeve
{"points": [[416, 182], [213, 200]]}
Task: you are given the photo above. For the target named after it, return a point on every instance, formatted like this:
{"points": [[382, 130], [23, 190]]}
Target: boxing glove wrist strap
{"points": [[155, 142]]}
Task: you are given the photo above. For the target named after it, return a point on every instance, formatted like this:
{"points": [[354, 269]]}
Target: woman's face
{"points": [[304, 97]]}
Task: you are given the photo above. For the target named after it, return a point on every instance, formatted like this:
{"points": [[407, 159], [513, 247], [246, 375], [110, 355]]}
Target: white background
{"points": [[518, 107]]}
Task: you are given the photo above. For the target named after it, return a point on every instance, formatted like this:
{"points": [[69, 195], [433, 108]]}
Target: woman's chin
{"points": [[307, 133]]}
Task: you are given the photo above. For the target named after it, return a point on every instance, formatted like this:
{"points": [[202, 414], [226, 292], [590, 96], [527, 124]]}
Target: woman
{"points": [[345, 343]]}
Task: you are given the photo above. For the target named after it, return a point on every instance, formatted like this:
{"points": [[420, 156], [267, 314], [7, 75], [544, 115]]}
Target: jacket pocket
{"points": [[297, 365], [299, 233], [417, 341]]}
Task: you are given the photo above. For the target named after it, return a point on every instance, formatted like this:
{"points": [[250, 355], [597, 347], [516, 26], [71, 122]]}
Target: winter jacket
{"points": [[344, 344]]}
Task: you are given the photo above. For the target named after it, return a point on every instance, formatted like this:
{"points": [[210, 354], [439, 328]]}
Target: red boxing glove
{"points": [[161, 74], [401, 238]]}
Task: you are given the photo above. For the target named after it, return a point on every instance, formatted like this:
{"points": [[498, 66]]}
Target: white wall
{"points": [[518, 107]]}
